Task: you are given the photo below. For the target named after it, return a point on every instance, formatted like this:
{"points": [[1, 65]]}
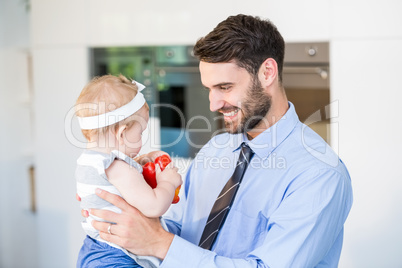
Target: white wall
{"points": [[366, 41], [17, 221], [366, 72]]}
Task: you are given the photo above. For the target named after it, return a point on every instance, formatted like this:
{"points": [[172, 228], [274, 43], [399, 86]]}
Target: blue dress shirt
{"points": [[289, 210]]}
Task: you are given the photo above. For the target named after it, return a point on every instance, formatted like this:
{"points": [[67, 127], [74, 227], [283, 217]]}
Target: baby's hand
{"points": [[155, 154], [149, 157], [169, 174]]}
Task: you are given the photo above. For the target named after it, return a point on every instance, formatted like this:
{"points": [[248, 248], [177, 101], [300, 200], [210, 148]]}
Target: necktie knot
{"points": [[246, 153]]}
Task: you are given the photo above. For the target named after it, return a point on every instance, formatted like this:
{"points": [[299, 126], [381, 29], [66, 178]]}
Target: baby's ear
{"points": [[120, 134]]}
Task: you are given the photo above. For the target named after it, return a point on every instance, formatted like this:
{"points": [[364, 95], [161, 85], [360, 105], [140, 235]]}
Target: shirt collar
{"points": [[267, 141]]}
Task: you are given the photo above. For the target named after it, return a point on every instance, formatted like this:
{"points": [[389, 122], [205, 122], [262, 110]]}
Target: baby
{"points": [[113, 113]]}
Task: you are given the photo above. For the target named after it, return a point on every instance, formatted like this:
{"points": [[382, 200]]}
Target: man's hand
{"points": [[132, 230]]}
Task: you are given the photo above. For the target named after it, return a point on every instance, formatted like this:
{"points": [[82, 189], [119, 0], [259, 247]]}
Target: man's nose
{"points": [[216, 100]]}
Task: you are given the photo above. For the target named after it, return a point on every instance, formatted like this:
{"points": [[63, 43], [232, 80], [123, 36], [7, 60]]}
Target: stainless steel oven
{"points": [[306, 78], [179, 84], [179, 102]]}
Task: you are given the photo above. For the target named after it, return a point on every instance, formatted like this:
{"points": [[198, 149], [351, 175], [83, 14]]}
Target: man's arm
{"points": [[145, 236], [132, 231]]}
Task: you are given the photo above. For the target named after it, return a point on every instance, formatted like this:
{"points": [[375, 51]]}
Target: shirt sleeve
{"points": [[301, 231], [183, 254]]}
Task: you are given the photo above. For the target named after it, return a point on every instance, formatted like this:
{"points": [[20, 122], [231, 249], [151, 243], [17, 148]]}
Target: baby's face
{"points": [[133, 135]]}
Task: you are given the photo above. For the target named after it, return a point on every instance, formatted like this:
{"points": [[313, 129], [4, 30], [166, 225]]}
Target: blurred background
{"points": [[50, 49]]}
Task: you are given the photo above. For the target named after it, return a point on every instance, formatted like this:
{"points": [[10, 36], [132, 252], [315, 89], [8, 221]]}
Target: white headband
{"points": [[110, 118]]}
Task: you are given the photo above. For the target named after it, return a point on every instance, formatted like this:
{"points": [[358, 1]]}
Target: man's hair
{"points": [[247, 40]]}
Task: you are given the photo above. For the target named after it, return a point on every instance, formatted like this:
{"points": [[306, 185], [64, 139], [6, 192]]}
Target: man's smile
{"points": [[231, 114]]}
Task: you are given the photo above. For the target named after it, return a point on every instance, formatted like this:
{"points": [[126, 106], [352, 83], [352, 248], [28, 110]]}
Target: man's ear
{"points": [[268, 72], [120, 134]]}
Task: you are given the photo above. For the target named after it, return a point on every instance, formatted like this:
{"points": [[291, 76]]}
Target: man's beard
{"points": [[254, 108]]}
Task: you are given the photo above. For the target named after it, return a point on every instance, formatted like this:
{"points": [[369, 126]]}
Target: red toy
{"points": [[150, 174]]}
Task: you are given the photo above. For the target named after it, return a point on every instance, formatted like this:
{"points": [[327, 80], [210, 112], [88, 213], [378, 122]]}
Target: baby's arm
{"points": [[135, 190]]}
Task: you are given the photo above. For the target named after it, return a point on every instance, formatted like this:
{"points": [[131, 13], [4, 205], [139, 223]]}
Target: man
{"points": [[295, 195]]}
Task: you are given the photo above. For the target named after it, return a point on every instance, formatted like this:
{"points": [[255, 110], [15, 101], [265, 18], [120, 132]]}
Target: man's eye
{"points": [[225, 87]]}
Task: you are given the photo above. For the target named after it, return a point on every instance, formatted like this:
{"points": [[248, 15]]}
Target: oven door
{"points": [[186, 121], [307, 87]]}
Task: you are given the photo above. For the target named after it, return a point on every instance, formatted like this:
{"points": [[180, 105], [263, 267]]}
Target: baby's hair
{"points": [[104, 94]]}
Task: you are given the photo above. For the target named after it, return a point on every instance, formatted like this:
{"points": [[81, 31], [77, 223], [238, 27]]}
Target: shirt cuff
{"points": [[182, 253]]}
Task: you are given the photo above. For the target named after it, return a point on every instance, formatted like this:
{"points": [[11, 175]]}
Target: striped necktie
{"points": [[225, 200]]}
